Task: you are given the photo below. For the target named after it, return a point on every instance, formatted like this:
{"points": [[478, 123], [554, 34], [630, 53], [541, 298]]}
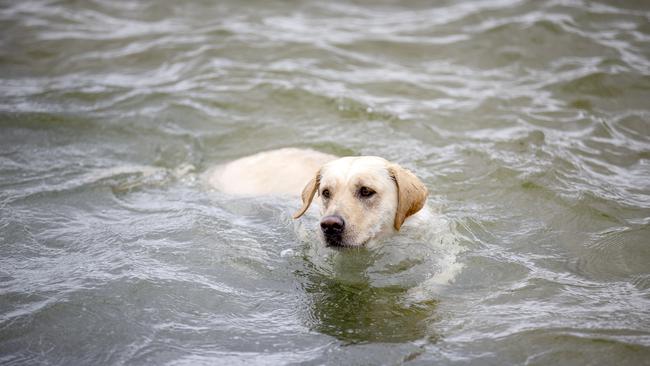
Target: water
{"points": [[527, 120]]}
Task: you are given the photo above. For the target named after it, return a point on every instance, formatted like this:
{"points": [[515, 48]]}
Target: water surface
{"points": [[528, 121]]}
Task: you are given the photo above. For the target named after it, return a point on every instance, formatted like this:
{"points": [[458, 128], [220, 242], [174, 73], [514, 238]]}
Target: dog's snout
{"points": [[332, 225]]}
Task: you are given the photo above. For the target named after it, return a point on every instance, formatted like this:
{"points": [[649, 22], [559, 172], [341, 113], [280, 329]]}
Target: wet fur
{"points": [[399, 194]]}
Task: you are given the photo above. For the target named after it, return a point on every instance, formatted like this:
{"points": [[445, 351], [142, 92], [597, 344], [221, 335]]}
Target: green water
{"points": [[528, 121]]}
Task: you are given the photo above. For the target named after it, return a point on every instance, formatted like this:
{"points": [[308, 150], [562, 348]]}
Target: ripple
{"points": [[526, 120]]}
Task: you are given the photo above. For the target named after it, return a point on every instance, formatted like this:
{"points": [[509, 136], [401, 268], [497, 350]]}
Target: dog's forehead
{"points": [[345, 170]]}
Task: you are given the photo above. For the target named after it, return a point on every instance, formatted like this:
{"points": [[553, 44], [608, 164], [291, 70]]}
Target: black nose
{"points": [[332, 225]]}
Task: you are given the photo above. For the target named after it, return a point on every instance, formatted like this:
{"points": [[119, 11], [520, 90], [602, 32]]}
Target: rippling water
{"points": [[529, 121]]}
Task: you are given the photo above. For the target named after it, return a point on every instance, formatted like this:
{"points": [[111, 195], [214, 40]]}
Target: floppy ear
{"points": [[308, 194], [411, 193]]}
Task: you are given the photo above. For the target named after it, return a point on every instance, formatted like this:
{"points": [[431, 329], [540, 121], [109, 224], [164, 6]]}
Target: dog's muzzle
{"points": [[332, 227]]}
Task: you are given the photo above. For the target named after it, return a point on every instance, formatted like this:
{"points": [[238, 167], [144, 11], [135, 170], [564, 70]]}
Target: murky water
{"points": [[529, 121]]}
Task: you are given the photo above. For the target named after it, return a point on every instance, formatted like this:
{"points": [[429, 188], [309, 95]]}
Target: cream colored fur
{"points": [[399, 195], [283, 171]]}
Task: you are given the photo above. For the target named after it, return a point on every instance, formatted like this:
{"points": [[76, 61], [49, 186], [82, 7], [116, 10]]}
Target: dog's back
{"points": [[283, 171]]}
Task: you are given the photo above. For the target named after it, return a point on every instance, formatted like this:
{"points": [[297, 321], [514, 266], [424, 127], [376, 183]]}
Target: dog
{"points": [[361, 198]]}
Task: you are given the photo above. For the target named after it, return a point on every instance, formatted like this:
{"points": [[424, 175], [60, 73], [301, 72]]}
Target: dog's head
{"points": [[362, 198]]}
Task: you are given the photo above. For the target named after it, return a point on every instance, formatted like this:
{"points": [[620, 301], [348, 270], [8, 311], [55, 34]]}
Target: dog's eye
{"points": [[366, 192], [325, 193]]}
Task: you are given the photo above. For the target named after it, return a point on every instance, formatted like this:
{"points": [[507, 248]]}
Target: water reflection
{"points": [[344, 303]]}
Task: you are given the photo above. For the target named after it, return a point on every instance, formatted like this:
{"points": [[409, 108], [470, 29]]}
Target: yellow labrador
{"points": [[361, 198]]}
